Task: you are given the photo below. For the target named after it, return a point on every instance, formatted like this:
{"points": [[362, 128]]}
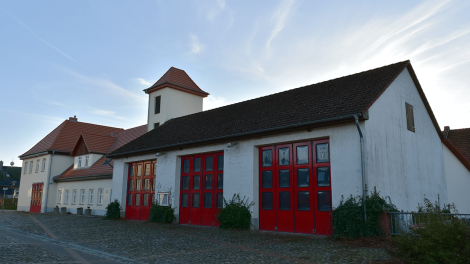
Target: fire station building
{"points": [[295, 154]]}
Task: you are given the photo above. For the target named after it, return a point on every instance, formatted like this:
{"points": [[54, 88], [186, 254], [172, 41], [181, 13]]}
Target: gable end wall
{"points": [[406, 166]]}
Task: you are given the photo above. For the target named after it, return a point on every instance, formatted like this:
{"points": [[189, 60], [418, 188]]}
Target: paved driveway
{"points": [[55, 238]]}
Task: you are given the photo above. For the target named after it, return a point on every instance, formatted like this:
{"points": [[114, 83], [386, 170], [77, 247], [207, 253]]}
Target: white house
{"points": [[456, 147], [295, 153], [68, 168]]}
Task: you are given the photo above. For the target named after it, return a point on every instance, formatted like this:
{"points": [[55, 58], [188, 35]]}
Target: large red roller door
{"points": [[295, 187], [201, 189]]}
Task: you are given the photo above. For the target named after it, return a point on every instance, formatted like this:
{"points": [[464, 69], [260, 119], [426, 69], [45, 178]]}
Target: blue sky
{"points": [[93, 58]]}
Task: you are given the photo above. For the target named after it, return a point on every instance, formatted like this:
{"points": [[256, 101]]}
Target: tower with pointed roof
{"points": [[175, 94]]}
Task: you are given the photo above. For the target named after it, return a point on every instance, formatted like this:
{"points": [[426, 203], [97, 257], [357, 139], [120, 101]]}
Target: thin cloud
{"points": [[107, 113], [107, 84], [211, 102], [41, 39], [216, 9], [143, 81], [196, 47], [280, 18]]}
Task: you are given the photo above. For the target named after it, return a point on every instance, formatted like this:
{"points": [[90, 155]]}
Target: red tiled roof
{"points": [[64, 137], [46, 142], [98, 144], [178, 79], [98, 168], [460, 138]]}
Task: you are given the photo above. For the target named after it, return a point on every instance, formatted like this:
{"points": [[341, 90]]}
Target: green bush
{"points": [[348, 217], [10, 204], [235, 214], [439, 238], [113, 211], [162, 214]]}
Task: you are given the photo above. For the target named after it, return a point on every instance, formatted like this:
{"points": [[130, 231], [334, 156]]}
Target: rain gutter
{"points": [[364, 185]]}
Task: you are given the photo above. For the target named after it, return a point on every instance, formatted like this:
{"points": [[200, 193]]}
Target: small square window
{"points": [[155, 125]]}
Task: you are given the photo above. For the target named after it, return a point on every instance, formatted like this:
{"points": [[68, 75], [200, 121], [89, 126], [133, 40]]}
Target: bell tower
{"points": [[175, 94]]}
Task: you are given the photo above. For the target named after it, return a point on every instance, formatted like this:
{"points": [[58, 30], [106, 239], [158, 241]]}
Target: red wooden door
{"points": [[36, 198], [130, 191], [184, 190], [303, 188], [284, 188], [295, 188], [218, 186], [267, 189], [137, 192], [207, 205], [195, 185], [146, 191], [322, 187], [201, 189]]}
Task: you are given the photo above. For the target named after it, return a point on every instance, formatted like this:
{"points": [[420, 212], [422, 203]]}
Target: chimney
{"points": [[446, 131], [74, 118], [1, 165]]}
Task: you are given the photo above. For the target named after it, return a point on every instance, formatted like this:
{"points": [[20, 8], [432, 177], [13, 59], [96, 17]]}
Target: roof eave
{"points": [[277, 130]]}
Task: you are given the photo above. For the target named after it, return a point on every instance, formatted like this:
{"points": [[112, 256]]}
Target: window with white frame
{"points": [[60, 197], [37, 166], [31, 167], [66, 196], [43, 167], [25, 167], [90, 200], [163, 199], [82, 196], [79, 162], [74, 196], [100, 196], [86, 160]]}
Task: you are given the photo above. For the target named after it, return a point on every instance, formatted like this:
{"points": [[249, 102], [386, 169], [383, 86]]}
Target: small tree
{"points": [[113, 211], [235, 214]]}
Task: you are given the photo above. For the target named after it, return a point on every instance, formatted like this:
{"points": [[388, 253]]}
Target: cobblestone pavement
{"points": [[93, 240]]}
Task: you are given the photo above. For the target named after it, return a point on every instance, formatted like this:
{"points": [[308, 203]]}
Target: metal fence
{"points": [[403, 222]]}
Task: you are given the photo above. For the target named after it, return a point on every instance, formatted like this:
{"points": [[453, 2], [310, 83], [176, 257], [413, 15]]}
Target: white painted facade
{"points": [[54, 167], [82, 160], [174, 103], [406, 166], [458, 181], [97, 207]]}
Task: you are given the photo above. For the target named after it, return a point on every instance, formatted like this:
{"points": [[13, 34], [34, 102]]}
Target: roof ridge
{"points": [[289, 90]]}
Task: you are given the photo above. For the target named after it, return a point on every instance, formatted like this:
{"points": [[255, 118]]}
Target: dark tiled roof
{"points": [[64, 137], [178, 78], [348, 95], [461, 140], [14, 172]]}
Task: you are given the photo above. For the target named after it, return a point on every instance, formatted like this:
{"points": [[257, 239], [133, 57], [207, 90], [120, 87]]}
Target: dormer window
{"points": [[86, 161], [157, 104], [79, 162]]}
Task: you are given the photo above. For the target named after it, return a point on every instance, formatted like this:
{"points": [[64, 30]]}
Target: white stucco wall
{"points": [[174, 103], [28, 179], [404, 165], [95, 185], [458, 181], [241, 172]]}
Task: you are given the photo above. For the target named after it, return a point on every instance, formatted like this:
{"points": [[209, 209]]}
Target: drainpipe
{"points": [[364, 187], [47, 182]]}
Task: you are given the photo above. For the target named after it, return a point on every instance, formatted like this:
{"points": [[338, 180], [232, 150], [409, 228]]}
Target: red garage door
{"points": [[295, 188], [201, 189], [36, 198], [140, 189]]}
